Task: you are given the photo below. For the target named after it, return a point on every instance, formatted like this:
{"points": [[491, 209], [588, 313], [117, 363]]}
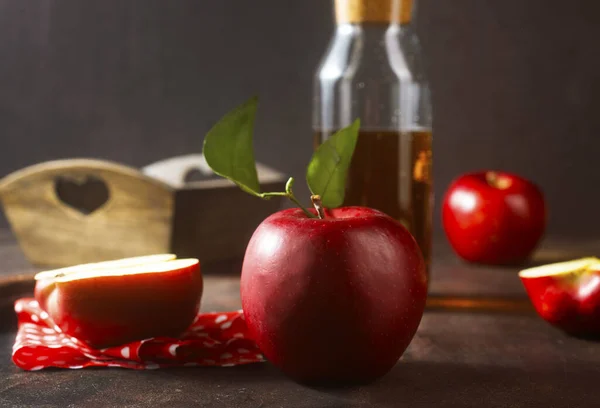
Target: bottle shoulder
{"points": [[390, 54]]}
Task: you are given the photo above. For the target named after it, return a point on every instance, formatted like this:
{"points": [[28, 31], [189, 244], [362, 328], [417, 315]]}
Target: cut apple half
{"points": [[567, 294], [561, 268], [159, 266], [115, 302], [112, 264]]}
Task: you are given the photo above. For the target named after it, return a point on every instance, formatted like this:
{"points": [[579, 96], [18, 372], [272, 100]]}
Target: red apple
{"points": [[118, 302], [494, 217], [333, 300], [567, 294]]}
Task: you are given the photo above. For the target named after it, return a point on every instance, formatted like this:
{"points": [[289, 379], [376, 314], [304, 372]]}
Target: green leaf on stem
{"points": [[228, 147], [326, 173]]}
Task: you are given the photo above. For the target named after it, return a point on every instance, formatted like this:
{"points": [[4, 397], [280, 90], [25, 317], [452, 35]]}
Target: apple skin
{"points": [[496, 222], [107, 311], [42, 290], [569, 302], [333, 301]]}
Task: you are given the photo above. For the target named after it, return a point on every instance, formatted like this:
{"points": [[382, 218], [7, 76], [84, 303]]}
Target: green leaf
{"points": [[228, 148], [326, 173]]}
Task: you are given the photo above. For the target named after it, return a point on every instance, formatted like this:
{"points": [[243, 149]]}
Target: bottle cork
{"points": [[373, 11]]}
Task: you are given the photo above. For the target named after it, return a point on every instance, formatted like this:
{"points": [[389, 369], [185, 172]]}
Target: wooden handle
{"points": [[43, 178], [134, 218]]}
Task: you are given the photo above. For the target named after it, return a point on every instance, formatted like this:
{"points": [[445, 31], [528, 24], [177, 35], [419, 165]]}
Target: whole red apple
{"points": [[119, 303], [567, 295], [333, 300], [493, 217]]}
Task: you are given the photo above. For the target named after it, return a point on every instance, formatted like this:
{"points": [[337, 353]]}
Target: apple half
{"points": [[45, 279], [567, 294], [115, 302]]}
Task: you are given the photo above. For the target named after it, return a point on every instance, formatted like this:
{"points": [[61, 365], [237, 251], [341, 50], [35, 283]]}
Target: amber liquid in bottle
{"points": [[372, 70], [392, 172]]}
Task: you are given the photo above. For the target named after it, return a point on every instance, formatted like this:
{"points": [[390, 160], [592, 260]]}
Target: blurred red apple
{"points": [[494, 217], [333, 300], [567, 294], [116, 302]]}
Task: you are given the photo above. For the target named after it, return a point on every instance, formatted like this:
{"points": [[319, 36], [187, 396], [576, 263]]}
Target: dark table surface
{"points": [[479, 345]]}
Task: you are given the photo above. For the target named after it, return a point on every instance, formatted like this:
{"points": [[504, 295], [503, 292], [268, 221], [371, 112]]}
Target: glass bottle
{"points": [[372, 70]]}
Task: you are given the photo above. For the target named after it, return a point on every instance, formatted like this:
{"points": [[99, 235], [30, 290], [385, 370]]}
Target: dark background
{"points": [[515, 83]]}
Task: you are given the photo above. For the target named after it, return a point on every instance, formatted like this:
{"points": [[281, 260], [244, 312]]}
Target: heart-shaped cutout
{"points": [[85, 194]]}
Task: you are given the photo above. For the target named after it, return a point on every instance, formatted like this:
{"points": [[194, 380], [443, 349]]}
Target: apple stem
{"points": [[289, 194], [316, 201], [497, 181]]}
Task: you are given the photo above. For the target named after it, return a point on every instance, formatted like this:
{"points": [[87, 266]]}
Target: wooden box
{"points": [[75, 211]]}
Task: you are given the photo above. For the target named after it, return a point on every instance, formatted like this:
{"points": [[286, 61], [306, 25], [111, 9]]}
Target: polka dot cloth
{"points": [[214, 339]]}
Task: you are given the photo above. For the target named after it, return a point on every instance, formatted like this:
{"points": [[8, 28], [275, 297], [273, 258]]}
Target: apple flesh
{"points": [[494, 217], [567, 295], [124, 301], [45, 280], [334, 300]]}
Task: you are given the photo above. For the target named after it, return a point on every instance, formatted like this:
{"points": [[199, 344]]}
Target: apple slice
{"points": [[567, 294], [45, 279], [125, 262], [123, 301]]}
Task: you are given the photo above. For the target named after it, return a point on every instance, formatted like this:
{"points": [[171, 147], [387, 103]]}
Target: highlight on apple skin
{"points": [[111, 303], [567, 295], [334, 300], [493, 217]]}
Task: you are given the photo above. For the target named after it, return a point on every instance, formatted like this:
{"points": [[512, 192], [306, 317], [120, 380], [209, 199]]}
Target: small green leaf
{"points": [[228, 148], [326, 173]]}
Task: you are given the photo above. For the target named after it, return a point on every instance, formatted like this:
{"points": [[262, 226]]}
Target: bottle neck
{"points": [[373, 11]]}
